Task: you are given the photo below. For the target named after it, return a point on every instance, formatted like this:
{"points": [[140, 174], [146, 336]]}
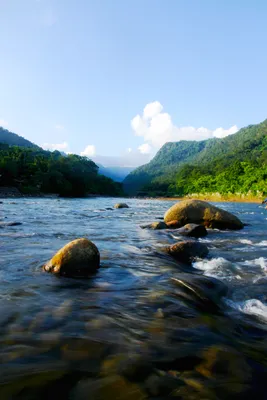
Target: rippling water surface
{"points": [[144, 326]]}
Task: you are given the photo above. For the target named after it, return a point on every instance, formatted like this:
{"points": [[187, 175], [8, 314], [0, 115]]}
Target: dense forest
{"points": [[33, 171], [234, 164]]}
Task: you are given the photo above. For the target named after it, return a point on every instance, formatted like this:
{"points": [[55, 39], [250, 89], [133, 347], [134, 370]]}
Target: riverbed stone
{"points": [[155, 225], [193, 230], [79, 258], [201, 212], [205, 292], [113, 387], [188, 251], [3, 224], [121, 205]]}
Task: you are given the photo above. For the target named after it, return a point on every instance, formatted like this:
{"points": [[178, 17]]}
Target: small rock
{"points": [[193, 230], [121, 205], [109, 208], [79, 258], [188, 251], [155, 225]]}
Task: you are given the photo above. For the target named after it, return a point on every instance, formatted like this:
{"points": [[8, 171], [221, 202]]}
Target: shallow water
{"points": [[130, 331]]}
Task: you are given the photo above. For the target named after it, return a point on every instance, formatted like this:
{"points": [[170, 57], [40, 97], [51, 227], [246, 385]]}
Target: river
{"points": [[131, 331]]}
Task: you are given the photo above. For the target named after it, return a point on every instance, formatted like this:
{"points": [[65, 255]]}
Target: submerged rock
{"points": [[113, 387], [79, 258], [201, 212], [193, 230], [204, 292], [121, 205], [155, 225], [10, 224], [188, 251]]}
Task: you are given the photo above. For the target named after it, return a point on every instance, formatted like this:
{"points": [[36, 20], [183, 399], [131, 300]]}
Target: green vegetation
{"points": [[235, 164], [33, 171]]}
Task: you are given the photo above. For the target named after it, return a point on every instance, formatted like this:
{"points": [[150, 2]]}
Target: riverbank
{"points": [[238, 198]]}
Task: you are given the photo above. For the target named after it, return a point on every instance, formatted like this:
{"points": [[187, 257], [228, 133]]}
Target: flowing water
{"points": [[144, 326]]}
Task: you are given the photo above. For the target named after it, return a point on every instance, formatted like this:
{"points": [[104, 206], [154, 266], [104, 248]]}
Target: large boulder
{"points": [[201, 212], [78, 259], [121, 205], [188, 251]]}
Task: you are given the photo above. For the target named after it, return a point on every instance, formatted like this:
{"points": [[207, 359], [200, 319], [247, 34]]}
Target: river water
{"points": [[144, 326]]}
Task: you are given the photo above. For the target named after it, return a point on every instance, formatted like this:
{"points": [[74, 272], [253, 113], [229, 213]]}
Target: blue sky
{"points": [[119, 78]]}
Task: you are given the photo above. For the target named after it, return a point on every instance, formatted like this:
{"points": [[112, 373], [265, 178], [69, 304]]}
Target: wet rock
{"points": [[109, 208], [193, 230], [205, 292], [201, 212], [174, 224], [79, 258], [121, 205], [2, 224], [163, 385], [225, 364], [155, 225], [135, 368], [188, 251]]}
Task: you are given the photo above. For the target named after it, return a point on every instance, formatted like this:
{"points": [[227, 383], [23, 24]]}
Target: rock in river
{"points": [[201, 212], [193, 230], [79, 258], [155, 225], [188, 251], [121, 205]]}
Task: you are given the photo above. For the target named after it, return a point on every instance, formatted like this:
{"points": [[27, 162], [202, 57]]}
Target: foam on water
{"points": [[219, 267], [263, 243], [245, 241], [251, 306]]}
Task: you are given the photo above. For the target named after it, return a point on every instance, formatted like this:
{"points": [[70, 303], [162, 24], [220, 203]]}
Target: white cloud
{"points": [[157, 128], [144, 148], [59, 127], [152, 109], [3, 123], [55, 146], [89, 151], [220, 132], [129, 150]]}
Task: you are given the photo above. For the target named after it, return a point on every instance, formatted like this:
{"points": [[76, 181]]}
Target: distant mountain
{"points": [[116, 173], [12, 139], [192, 160]]}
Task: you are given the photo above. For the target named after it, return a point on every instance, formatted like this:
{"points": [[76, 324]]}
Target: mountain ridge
{"points": [[163, 170]]}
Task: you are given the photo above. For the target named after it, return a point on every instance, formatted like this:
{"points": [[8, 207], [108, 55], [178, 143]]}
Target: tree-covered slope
{"points": [[12, 139], [179, 168], [165, 163], [34, 171]]}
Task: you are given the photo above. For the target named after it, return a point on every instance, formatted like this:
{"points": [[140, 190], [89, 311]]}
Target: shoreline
{"points": [[223, 199]]}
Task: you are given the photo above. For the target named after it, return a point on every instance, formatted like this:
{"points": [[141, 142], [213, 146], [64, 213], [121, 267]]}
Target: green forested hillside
{"points": [[13, 139], [33, 170], [237, 163]]}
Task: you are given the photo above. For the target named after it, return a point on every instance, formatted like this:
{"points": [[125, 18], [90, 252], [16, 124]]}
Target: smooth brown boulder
{"points": [[121, 205], [79, 258], [188, 251], [201, 212]]}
